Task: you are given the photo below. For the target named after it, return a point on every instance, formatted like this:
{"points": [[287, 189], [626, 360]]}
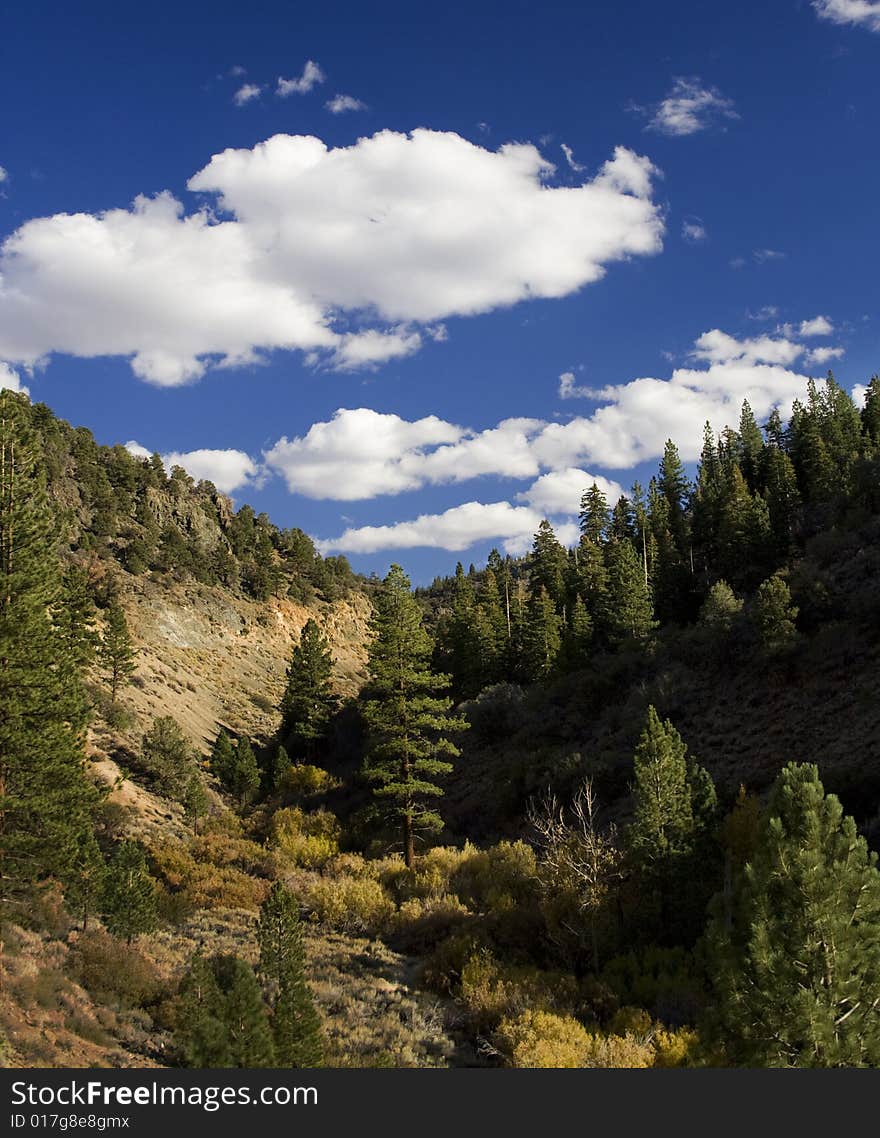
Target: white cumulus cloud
{"points": [[339, 104], [818, 326], [312, 75], [690, 106], [229, 470], [693, 230], [400, 230], [559, 492], [858, 12], [455, 529]]}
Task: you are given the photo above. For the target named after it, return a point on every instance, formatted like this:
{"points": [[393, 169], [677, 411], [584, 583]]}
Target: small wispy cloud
{"points": [[568, 389], [311, 76], [762, 256], [821, 356], [569, 158], [339, 104], [237, 71], [693, 231], [768, 312], [865, 13], [689, 108], [246, 94]]}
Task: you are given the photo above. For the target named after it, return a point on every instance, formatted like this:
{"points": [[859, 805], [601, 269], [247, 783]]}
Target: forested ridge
{"points": [[606, 806]]}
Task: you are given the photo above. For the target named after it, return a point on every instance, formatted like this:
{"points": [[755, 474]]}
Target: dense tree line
{"points": [[669, 553]]}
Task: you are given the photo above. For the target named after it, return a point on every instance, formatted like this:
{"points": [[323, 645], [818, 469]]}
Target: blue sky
{"points": [[674, 206]]}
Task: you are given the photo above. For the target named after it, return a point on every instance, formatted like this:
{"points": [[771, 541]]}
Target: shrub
{"points": [[353, 904], [676, 1048], [114, 972], [420, 924], [497, 879], [492, 991], [307, 840], [542, 1039], [304, 781]]}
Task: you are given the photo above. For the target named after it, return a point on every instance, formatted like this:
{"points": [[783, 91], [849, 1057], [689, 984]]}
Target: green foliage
{"points": [[296, 1027], [407, 722], [795, 958], [236, 767], [774, 615], [45, 798], [195, 799], [116, 655], [308, 701], [128, 899], [167, 757], [221, 1020]]}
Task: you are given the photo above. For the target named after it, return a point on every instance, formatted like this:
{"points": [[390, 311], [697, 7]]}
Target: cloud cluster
{"points": [[339, 104], [10, 380], [246, 93], [857, 12], [690, 107], [398, 231], [312, 75]]}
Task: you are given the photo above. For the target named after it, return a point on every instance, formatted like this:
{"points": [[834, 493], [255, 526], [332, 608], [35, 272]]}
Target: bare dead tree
{"points": [[577, 854]]}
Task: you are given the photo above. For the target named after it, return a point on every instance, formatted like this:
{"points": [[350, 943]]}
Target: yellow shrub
{"points": [[618, 1051], [305, 781], [542, 1039], [307, 840], [499, 878], [676, 1048], [355, 904], [631, 1021], [491, 991], [420, 923]]}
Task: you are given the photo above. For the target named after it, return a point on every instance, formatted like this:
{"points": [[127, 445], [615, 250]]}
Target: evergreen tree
{"points": [[407, 721], [221, 1019], [84, 881], [494, 628], [594, 515], [195, 799], [308, 701], [296, 1027], [547, 565], [244, 780], [774, 615], [279, 769], [795, 963], [671, 836], [115, 652], [460, 651], [673, 484], [751, 448], [128, 900], [578, 636], [541, 636], [167, 756], [45, 797], [629, 613], [870, 414], [222, 759]]}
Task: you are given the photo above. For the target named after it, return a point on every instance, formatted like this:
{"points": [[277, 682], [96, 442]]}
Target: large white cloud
{"points": [[864, 12], [455, 529], [399, 230], [559, 492]]}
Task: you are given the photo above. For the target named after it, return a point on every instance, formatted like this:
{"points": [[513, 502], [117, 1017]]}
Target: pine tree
{"points": [[280, 767], [245, 776], [461, 652], [115, 652], [195, 799], [594, 515], [45, 797], [308, 702], [774, 615], [578, 636], [870, 413], [796, 961], [547, 565], [407, 721], [751, 448], [167, 757], [673, 484], [296, 1027], [221, 1018], [629, 613], [541, 636], [128, 900], [222, 758], [671, 837], [84, 881]]}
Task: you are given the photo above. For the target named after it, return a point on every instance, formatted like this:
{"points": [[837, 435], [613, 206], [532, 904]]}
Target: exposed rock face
{"points": [[210, 658]]}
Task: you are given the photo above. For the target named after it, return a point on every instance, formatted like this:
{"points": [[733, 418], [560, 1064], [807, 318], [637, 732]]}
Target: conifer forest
{"points": [[613, 803]]}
